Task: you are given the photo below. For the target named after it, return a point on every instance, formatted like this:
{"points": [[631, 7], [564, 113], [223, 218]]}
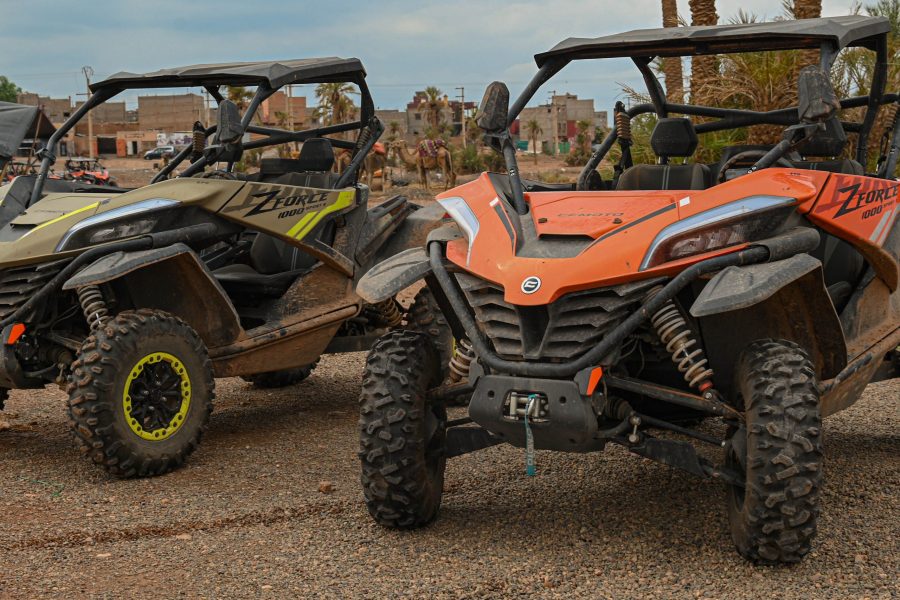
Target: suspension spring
{"points": [[679, 340], [94, 307], [623, 126], [198, 145], [389, 312], [462, 358]]}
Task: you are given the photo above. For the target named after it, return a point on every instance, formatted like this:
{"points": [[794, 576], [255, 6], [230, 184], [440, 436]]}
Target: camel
{"points": [[375, 161], [423, 164]]}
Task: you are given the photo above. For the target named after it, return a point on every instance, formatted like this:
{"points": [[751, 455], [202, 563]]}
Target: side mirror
{"points": [[494, 108], [229, 129], [817, 100]]}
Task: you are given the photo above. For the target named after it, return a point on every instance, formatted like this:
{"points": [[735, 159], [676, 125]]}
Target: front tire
{"points": [[779, 451], [141, 393], [402, 434]]}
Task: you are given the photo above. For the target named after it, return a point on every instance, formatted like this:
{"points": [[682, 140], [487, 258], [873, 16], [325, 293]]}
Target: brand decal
{"points": [[531, 285], [593, 214], [288, 205], [870, 201]]}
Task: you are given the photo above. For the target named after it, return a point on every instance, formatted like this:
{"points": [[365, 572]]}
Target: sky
{"points": [[405, 45]]}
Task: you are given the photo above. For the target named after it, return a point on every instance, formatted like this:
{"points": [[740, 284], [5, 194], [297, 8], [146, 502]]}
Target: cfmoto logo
{"points": [[531, 285]]}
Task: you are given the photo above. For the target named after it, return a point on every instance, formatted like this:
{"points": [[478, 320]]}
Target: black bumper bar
{"points": [[788, 244]]}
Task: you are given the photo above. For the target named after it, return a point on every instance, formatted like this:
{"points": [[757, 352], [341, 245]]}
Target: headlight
{"points": [[464, 217], [116, 224], [747, 220]]}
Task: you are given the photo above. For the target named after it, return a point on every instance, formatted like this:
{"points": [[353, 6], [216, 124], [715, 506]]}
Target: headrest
{"points": [[673, 137], [825, 143], [316, 155]]}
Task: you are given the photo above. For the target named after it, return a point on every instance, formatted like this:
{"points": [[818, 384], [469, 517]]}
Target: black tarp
{"points": [[275, 73], [19, 122], [722, 39]]}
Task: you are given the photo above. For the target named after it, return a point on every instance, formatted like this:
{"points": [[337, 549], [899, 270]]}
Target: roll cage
{"points": [[268, 77], [828, 35]]}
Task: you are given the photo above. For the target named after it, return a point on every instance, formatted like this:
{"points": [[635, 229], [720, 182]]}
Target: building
{"points": [[279, 111], [392, 115], [171, 113], [451, 113], [569, 109], [57, 109], [108, 112]]}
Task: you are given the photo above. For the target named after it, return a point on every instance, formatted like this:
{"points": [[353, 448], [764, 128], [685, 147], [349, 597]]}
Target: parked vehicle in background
{"points": [[160, 152], [761, 289], [135, 300], [88, 170]]}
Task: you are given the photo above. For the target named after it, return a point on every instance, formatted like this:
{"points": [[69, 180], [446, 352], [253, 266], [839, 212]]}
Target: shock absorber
{"points": [[198, 141], [389, 313], [678, 338], [462, 358], [93, 306]]}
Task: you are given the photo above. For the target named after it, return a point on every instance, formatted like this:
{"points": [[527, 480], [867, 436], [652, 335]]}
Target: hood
{"points": [[591, 239]]}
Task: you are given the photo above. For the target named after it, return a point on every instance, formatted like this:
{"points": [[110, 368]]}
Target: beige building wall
{"points": [[170, 113]]}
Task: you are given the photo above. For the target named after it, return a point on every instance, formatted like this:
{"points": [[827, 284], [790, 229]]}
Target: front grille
{"points": [[561, 330], [18, 284]]}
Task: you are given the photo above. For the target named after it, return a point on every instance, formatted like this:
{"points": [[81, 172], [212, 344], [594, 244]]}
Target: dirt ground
{"points": [[270, 506], [246, 517]]}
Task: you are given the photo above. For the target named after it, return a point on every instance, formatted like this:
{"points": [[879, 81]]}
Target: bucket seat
{"points": [[671, 137]]}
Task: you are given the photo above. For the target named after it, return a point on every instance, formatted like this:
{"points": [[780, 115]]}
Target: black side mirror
{"points": [[817, 100], [494, 108], [229, 128]]}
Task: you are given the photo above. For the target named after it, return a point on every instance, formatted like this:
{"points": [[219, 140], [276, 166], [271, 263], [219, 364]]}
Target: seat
{"points": [[827, 144], [670, 137], [274, 264]]}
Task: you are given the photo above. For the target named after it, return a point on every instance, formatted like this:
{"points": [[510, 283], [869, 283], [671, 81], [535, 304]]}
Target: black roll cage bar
{"points": [[726, 118], [368, 125]]}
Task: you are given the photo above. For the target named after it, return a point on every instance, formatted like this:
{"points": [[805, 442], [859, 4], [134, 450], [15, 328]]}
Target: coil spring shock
{"points": [[623, 126], [93, 306], [198, 143], [678, 338], [389, 313], [462, 358]]}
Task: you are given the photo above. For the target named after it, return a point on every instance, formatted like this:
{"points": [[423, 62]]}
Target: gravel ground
{"points": [[246, 517]]}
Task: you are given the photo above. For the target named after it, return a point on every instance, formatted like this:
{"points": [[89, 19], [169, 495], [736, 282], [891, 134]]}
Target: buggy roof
{"points": [[721, 39], [274, 73], [18, 121]]}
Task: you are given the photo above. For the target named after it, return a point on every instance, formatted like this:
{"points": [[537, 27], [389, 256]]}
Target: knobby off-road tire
{"points": [[402, 435], [283, 378], [425, 316], [109, 398], [773, 519]]}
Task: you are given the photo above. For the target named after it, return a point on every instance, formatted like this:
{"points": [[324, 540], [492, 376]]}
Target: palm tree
{"points": [[671, 66], [534, 133], [393, 130], [434, 103], [240, 95], [704, 69], [804, 9], [333, 102]]}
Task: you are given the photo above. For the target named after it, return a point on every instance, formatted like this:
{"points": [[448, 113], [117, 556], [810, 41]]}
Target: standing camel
{"points": [[423, 162]]}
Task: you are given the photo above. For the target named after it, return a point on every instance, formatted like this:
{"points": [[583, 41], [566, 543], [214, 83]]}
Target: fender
{"points": [[403, 269], [784, 299], [205, 307]]}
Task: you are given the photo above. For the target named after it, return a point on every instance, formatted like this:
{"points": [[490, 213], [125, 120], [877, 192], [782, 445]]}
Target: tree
{"points": [[704, 69], [434, 104], [534, 134], [805, 9], [671, 66], [8, 90], [393, 130], [334, 104], [240, 95]]}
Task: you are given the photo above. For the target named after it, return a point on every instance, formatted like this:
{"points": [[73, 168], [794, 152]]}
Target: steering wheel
{"points": [[744, 157]]}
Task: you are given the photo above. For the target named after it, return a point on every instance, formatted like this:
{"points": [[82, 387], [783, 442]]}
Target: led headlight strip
{"points": [[144, 206], [457, 208]]}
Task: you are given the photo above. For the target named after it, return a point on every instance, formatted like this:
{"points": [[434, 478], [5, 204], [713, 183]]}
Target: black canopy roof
{"points": [[275, 73], [721, 39]]}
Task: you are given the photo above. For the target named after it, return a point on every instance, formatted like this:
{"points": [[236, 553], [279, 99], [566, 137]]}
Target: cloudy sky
{"points": [[405, 45]]}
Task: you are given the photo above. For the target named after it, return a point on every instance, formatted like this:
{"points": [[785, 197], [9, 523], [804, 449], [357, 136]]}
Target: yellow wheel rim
{"points": [[156, 396]]}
